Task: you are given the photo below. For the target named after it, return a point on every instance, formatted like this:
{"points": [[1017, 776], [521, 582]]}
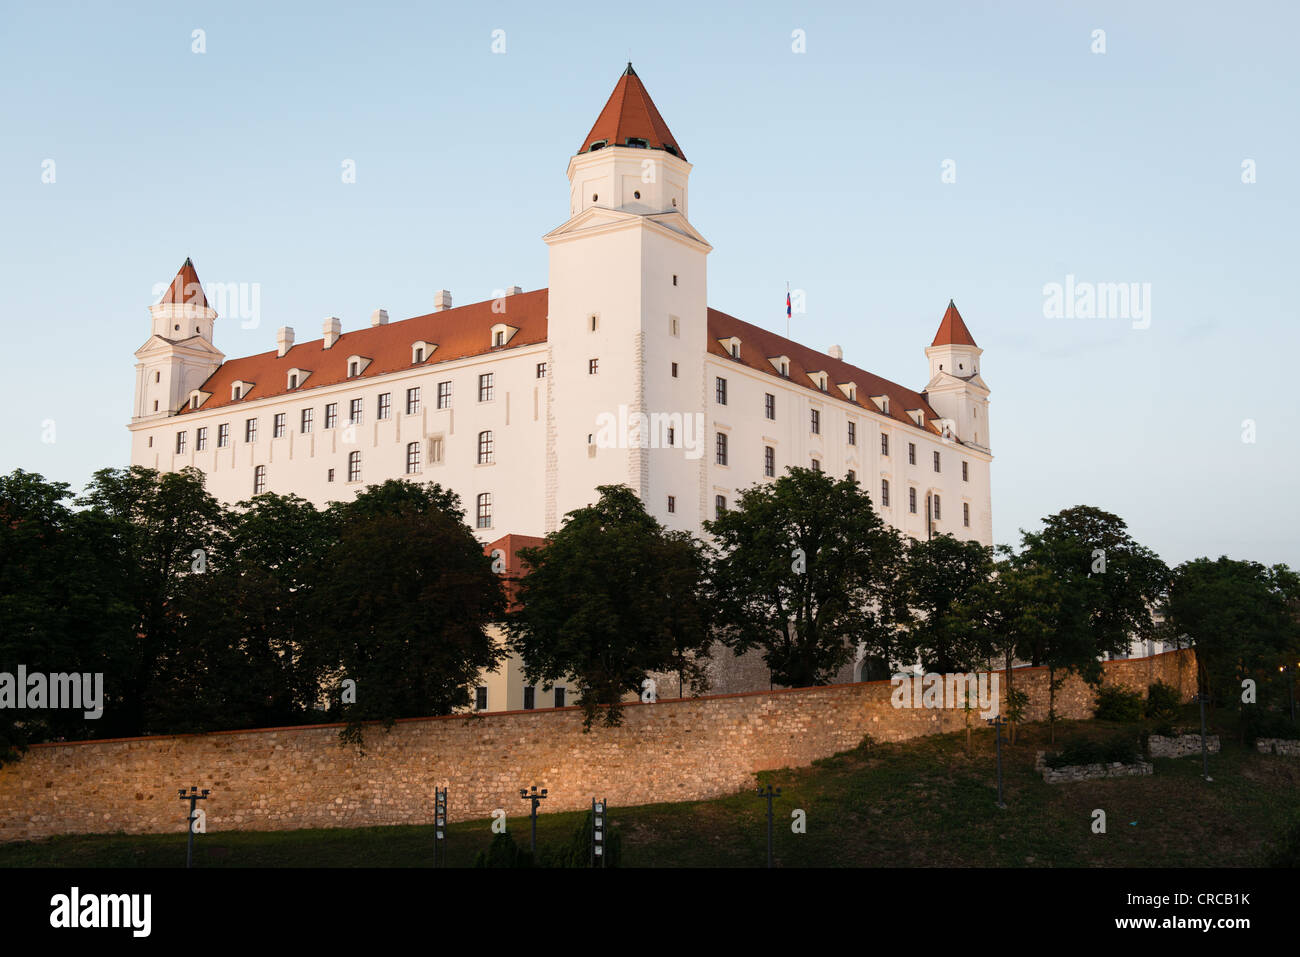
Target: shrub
{"points": [[1163, 702], [1119, 749], [504, 852], [1260, 722], [1118, 704], [577, 853], [1286, 849]]}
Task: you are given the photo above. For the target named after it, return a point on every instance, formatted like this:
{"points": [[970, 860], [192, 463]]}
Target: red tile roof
{"points": [[185, 288], [952, 331], [757, 346], [458, 333], [630, 112]]}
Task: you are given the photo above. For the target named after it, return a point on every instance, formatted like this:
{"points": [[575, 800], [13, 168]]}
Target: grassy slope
{"points": [[923, 803]]}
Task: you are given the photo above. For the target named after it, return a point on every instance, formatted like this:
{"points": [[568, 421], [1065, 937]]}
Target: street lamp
{"points": [[769, 794], [599, 811], [193, 796], [535, 797], [439, 825]]}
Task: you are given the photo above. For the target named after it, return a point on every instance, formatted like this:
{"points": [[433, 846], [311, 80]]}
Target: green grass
{"points": [[923, 803]]}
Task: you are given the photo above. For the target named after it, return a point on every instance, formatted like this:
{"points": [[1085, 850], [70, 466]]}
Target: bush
{"points": [[1286, 849], [1260, 722], [1163, 702], [1119, 749], [504, 852], [1118, 704], [577, 853]]}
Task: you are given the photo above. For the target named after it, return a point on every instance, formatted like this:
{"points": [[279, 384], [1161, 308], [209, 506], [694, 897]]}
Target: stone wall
{"points": [[1284, 746], [1162, 746], [285, 778]]}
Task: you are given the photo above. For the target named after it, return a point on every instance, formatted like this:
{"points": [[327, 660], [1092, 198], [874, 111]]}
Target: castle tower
{"points": [[627, 323], [179, 356], [956, 390]]}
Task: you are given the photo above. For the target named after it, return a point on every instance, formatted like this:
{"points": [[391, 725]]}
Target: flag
{"points": [[787, 303]]}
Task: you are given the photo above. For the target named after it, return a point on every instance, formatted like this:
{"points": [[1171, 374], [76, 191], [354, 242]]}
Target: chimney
{"points": [[513, 291], [835, 352], [283, 340], [379, 317], [441, 300], [332, 329]]}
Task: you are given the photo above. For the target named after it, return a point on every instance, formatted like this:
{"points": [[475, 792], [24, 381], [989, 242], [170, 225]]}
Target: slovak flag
{"points": [[787, 303]]}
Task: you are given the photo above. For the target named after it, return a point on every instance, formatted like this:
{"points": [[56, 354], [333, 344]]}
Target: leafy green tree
{"points": [[1240, 617], [610, 598], [801, 568], [402, 606], [937, 574], [141, 537]]}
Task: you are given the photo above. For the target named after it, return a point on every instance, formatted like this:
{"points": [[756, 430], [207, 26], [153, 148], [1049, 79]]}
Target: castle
{"points": [[617, 373]]}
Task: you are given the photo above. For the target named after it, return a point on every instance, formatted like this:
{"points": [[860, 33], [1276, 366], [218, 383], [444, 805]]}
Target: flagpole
{"points": [[787, 309]]}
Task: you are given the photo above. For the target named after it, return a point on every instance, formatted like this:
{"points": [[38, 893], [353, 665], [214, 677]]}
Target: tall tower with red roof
{"points": [[627, 325], [179, 355], [956, 390]]}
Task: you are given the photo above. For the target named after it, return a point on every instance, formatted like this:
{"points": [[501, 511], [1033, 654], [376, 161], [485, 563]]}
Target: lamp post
{"points": [[599, 811], [193, 795], [1205, 758], [998, 723], [535, 797], [769, 794], [439, 826]]}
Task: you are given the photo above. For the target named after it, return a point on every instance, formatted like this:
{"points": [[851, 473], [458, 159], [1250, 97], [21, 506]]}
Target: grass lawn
{"points": [[924, 803]]}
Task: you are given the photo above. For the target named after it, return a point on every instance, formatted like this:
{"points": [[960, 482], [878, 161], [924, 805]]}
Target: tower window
{"points": [[884, 493], [769, 461], [594, 197], [674, 279], [636, 194], [157, 377], [329, 475], [937, 511], [259, 480], [719, 505], [965, 514], [769, 405], [815, 422], [936, 461], [911, 453], [721, 389], [595, 321], [592, 365], [884, 443], [541, 370], [636, 142], [722, 448], [965, 472], [672, 503], [674, 370], [853, 433], [911, 500]]}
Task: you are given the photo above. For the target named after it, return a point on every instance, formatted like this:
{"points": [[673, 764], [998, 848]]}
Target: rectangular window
{"points": [[769, 461], [853, 433], [674, 370], [223, 435], [719, 505], [965, 514], [259, 480], [529, 698], [329, 476], [720, 386], [852, 476], [277, 426], [559, 697], [965, 472], [722, 448], [884, 444], [444, 396], [769, 405], [201, 439], [307, 416], [816, 422], [354, 466], [911, 500], [385, 410], [480, 698], [592, 366], [541, 370], [413, 398], [936, 461], [816, 465], [938, 512], [486, 387], [331, 415], [485, 446], [673, 327], [672, 436], [354, 412], [180, 443], [435, 450], [672, 504], [412, 458], [884, 493], [484, 510], [911, 453], [250, 430]]}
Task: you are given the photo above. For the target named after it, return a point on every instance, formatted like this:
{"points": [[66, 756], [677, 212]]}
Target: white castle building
{"points": [[617, 373]]}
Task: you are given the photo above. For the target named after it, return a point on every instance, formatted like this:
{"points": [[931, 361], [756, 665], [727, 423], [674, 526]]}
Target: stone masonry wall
{"points": [[286, 778]]}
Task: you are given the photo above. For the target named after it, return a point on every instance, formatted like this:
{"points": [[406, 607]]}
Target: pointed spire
{"points": [[186, 288], [952, 331], [630, 114]]}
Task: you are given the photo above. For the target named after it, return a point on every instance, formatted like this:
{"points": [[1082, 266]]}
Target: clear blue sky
{"points": [[820, 168]]}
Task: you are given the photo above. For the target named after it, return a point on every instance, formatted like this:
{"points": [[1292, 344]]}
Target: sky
{"points": [[882, 158]]}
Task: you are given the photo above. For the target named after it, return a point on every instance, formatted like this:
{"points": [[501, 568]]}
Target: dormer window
{"points": [[673, 150], [732, 346], [353, 368], [357, 365], [498, 338], [296, 377], [239, 389], [820, 380], [636, 142], [293, 380], [421, 350], [597, 145], [781, 364], [735, 350], [502, 334], [194, 402]]}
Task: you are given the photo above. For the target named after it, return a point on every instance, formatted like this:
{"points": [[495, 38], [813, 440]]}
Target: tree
{"points": [[1107, 585], [1240, 617], [937, 574], [402, 607], [610, 598], [800, 569]]}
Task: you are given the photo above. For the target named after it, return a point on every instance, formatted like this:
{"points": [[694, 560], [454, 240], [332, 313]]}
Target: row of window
{"points": [[720, 501], [769, 454], [530, 698]]}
